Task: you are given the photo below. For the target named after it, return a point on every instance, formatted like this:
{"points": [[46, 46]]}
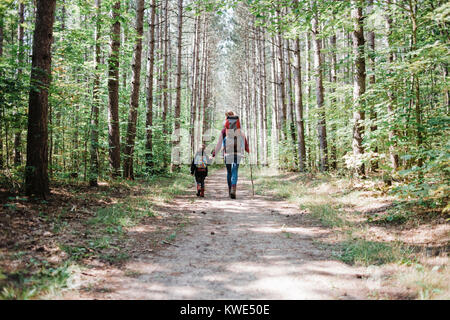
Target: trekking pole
{"points": [[251, 178]]}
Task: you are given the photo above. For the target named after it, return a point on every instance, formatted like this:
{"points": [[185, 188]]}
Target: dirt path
{"points": [[248, 248]]}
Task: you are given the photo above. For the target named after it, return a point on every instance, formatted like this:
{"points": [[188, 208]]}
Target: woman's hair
{"points": [[229, 113]]}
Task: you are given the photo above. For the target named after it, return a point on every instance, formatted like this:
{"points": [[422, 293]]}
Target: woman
{"points": [[233, 142]]}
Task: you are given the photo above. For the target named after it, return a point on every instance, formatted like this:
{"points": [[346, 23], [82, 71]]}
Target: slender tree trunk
{"points": [[415, 81], [275, 116], [264, 96], [373, 113], [299, 107], [333, 74], [150, 74], [1, 97], [36, 171], [113, 90], [281, 88], [260, 114], [206, 107], [292, 113], [391, 110], [175, 164], [20, 61], [124, 45], [321, 125], [165, 75], [308, 98], [359, 81], [94, 159], [134, 99], [195, 47]]}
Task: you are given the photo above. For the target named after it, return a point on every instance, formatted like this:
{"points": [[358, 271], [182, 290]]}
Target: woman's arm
{"points": [[219, 144], [246, 146]]}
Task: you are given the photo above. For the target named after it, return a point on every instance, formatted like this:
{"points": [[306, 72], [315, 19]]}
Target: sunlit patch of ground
{"points": [[373, 227], [45, 244]]}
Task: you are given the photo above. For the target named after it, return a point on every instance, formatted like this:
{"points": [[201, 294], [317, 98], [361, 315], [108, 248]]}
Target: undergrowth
{"points": [[103, 232], [331, 200]]}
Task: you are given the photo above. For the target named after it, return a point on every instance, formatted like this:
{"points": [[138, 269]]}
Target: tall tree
{"points": [[359, 81], [372, 81], [1, 98], [333, 80], [150, 97], [275, 132], [281, 84], [165, 70], [412, 9], [36, 171], [20, 61], [113, 93], [175, 166], [94, 161], [321, 125], [134, 99], [299, 107], [390, 107]]}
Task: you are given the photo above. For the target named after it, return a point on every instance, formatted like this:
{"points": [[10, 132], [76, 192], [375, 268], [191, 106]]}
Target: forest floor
{"points": [[297, 238]]}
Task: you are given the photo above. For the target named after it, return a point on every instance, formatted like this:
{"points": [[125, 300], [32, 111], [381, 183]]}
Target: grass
{"points": [[366, 253], [429, 283], [102, 232], [333, 202], [43, 280]]}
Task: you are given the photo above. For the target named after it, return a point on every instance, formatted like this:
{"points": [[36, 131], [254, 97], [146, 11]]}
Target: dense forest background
{"points": [[346, 108], [351, 87]]}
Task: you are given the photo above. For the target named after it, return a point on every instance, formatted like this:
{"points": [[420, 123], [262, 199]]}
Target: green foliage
{"points": [[431, 181], [40, 279], [360, 251]]}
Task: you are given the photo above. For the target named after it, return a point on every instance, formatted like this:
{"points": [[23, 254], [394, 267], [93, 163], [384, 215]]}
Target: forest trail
{"points": [[248, 248]]}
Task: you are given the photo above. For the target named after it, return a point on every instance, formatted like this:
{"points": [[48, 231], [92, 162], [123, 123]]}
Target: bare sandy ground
{"points": [[248, 248]]}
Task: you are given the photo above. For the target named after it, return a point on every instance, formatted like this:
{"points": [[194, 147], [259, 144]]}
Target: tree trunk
{"points": [[176, 161], [415, 82], [321, 125], [359, 81], [192, 121], [165, 75], [308, 99], [290, 113], [94, 165], [36, 171], [20, 61], [264, 96], [1, 98], [391, 109], [333, 74], [150, 74], [275, 132], [113, 91], [281, 88], [260, 114], [299, 107], [373, 113], [134, 99]]}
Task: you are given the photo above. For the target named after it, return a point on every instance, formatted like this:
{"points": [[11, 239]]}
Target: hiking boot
{"points": [[202, 192], [199, 188], [233, 192]]}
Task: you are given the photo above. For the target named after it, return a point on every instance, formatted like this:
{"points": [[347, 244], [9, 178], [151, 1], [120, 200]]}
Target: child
{"points": [[199, 168]]}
